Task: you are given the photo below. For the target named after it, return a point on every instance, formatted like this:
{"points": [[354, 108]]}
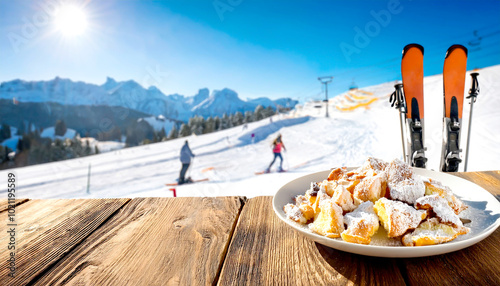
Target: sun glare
{"points": [[70, 20]]}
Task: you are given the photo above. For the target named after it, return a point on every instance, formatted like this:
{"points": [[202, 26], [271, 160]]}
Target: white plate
{"points": [[483, 211]]}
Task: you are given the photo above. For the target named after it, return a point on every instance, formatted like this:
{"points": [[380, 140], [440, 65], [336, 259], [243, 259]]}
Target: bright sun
{"points": [[70, 20]]}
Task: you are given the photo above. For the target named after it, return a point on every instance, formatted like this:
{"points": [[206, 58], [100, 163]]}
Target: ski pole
{"points": [[88, 181], [473, 93], [397, 101]]}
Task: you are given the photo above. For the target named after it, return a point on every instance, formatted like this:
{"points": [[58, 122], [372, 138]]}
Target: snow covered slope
{"points": [[229, 158], [51, 133], [159, 122]]}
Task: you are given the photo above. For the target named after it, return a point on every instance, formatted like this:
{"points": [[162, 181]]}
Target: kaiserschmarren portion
{"points": [[352, 204], [329, 221], [398, 217], [432, 232], [433, 187], [362, 224]]}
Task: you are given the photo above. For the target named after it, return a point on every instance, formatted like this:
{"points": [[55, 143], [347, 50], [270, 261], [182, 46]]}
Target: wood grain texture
{"points": [[476, 265], [153, 241], [265, 251], [47, 229], [4, 204], [489, 180]]}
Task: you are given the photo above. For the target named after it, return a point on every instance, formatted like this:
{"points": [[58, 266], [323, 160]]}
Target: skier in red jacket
{"points": [[277, 145]]}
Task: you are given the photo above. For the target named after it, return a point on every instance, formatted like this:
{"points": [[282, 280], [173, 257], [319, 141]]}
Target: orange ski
{"points": [[412, 72], [455, 67]]}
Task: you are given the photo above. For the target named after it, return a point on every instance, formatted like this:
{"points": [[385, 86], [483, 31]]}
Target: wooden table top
{"points": [[208, 241]]}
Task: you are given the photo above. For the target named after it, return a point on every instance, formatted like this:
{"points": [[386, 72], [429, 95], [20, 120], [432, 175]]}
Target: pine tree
{"points": [[224, 122], [2, 154], [173, 133], [87, 150], [201, 125], [116, 134], [78, 150], [209, 125], [21, 129], [238, 119], [248, 117], [258, 113], [4, 132], [58, 151], [138, 131], [217, 123], [268, 112], [131, 139], [162, 134], [37, 133], [185, 131], [191, 124], [60, 128], [196, 125]]}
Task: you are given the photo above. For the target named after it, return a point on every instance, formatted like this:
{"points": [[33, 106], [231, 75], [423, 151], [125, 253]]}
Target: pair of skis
{"points": [[409, 99], [188, 181]]}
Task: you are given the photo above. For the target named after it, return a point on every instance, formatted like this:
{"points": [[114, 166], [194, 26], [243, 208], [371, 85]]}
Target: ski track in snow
{"points": [[229, 158]]}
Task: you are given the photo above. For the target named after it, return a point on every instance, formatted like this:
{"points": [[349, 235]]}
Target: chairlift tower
{"points": [[326, 80]]}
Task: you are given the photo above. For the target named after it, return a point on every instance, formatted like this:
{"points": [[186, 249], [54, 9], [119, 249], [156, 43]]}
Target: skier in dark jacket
{"points": [[277, 145], [185, 158]]}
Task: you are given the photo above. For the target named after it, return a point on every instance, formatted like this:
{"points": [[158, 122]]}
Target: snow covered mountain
{"points": [[220, 102], [130, 94]]}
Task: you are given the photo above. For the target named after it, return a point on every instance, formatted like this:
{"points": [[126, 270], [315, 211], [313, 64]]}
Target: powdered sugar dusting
{"points": [[401, 217], [439, 206], [398, 171], [300, 200], [376, 164], [364, 212], [408, 190], [343, 198], [322, 195], [293, 213], [445, 192]]}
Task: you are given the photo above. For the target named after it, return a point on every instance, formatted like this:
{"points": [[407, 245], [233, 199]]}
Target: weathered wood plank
{"points": [[153, 241], [489, 180], [4, 203], [47, 229], [264, 251], [475, 265]]}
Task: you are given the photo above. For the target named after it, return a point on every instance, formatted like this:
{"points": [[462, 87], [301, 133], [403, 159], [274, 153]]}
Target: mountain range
{"points": [[131, 95]]}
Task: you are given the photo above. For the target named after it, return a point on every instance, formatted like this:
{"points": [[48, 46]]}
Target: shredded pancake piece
{"points": [[398, 217], [432, 232], [441, 208], [362, 224]]}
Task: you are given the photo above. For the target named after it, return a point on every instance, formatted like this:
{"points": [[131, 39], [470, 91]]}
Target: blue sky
{"points": [[257, 48]]}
